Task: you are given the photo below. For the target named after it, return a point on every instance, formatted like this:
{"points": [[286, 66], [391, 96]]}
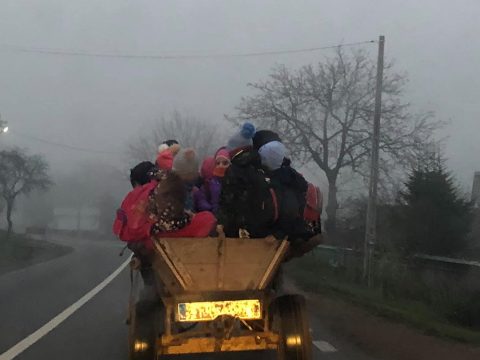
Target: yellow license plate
{"points": [[210, 310]]}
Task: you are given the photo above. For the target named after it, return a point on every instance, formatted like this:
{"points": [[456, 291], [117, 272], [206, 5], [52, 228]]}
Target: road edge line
{"points": [[324, 346], [31, 339]]}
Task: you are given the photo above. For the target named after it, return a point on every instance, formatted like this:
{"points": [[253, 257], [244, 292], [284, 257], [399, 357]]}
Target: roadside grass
{"points": [[20, 251], [313, 275]]}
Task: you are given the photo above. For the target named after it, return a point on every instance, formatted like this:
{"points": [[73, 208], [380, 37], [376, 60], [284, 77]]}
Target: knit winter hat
{"points": [[162, 148], [272, 154], [185, 164], [165, 160], [170, 142], [263, 137], [172, 145], [222, 153], [166, 154], [141, 173], [243, 138]]}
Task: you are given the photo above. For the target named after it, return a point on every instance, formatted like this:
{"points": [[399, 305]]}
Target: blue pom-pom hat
{"points": [[243, 138]]}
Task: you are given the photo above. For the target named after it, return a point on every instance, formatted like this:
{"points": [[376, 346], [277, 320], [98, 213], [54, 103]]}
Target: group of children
{"points": [[248, 186]]}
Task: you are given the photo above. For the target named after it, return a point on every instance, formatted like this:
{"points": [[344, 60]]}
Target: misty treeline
{"points": [[96, 185], [28, 187], [92, 186], [190, 131], [430, 216]]}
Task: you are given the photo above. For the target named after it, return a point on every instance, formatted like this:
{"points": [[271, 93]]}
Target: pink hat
{"points": [[222, 153]]}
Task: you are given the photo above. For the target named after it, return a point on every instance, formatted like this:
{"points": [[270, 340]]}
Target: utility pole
{"points": [[371, 225]]}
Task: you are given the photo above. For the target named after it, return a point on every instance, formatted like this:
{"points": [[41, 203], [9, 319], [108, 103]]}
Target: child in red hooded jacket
{"points": [[155, 207]]}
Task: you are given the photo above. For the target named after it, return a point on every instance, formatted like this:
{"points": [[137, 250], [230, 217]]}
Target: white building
{"points": [[71, 219]]}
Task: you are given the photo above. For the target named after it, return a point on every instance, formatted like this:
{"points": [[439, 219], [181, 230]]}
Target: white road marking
{"points": [[57, 320], [324, 346]]}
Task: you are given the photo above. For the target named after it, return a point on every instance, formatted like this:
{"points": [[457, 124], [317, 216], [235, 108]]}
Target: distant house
{"points": [[71, 219]]}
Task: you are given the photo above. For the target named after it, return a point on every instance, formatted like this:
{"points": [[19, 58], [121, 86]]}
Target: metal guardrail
{"points": [[441, 259], [448, 260]]}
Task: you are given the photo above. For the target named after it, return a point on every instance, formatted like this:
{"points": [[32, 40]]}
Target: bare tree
{"points": [[324, 114], [205, 137], [20, 173]]}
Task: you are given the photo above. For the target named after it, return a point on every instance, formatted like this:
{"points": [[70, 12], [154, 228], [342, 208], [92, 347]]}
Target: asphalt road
{"points": [[32, 297]]}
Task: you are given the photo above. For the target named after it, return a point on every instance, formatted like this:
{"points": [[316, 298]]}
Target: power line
{"points": [[67, 52], [65, 146]]}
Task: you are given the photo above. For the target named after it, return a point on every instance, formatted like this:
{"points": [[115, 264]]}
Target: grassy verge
{"points": [[20, 251], [314, 276]]}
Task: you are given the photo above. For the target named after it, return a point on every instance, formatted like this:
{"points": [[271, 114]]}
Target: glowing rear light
{"points": [[140, 346], [293, 341]]}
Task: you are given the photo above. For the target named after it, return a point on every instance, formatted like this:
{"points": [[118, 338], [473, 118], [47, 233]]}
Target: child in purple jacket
{"points": [[208, 196]]}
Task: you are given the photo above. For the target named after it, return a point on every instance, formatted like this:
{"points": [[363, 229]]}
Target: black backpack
{"points": [[247, 200], [290, 188]]}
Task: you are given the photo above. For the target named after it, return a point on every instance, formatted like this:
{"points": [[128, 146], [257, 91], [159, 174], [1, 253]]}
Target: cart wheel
{"points": [[143, 330], [291, 321]]}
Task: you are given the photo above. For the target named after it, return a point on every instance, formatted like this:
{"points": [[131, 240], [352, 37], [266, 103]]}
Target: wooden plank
{"points": [[177, 263], [249, 251], [209, 264], [204, 277], [243, 278], [274, 264], [222, 249], [166, 259], [194, 250]]}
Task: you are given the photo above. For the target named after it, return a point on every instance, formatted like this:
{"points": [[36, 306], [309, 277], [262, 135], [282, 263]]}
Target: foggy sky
{"points": [[99, 103]]}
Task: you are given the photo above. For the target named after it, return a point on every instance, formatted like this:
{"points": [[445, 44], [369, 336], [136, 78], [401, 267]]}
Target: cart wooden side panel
{"points": [[217, 264]]}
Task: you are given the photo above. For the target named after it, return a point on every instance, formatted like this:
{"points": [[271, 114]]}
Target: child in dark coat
{"points": [[247, 205]]}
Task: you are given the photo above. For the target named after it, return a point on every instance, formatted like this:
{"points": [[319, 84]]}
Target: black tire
{"points": [[144, 327], [290, 319]]}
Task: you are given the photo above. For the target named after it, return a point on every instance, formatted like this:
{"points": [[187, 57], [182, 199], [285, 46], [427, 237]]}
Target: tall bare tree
{"points": [[324, 114], [205, 137], [20, 173]]}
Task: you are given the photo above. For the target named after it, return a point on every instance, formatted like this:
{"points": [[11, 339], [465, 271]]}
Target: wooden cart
{"points": [[217, 295]]}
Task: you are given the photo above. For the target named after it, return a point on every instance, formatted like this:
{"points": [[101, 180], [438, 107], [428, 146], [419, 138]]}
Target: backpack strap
{"points": [[275, 204]]}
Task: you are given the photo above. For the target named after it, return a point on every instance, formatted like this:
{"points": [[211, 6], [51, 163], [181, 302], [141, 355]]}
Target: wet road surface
{"points": [[32, 297]]}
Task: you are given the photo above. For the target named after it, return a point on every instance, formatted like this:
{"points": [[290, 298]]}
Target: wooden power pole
{"points": [[371, 225]]}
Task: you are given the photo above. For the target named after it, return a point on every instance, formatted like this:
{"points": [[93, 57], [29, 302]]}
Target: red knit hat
{"points": [[165, 156]]}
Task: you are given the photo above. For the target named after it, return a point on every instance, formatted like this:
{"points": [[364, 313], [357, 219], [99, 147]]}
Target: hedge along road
{"points": [[75, 307]]}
